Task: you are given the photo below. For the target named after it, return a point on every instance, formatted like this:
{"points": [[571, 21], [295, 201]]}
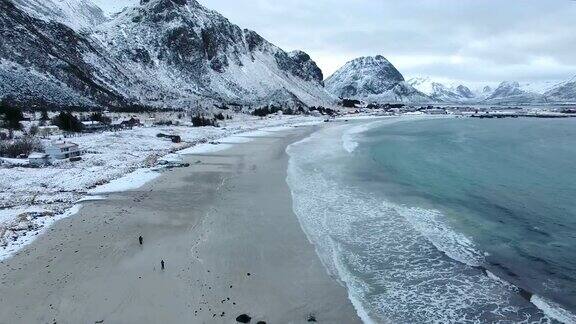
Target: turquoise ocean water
{"points": [[444, 220]]}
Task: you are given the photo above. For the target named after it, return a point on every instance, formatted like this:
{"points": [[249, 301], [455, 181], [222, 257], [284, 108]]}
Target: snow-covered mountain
{"points": [[372, 79], [47, 62], [77, 14], [181, 50], [464, 92], [439, 92], [163, 53], [510, 92], [562, 92]]}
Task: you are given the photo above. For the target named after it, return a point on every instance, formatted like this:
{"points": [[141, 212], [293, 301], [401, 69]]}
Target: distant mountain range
{"points": [[375, 79], [179, 54]]}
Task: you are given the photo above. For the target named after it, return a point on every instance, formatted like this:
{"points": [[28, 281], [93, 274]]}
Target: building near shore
{"points": [[93, 126], [436, 111], [63, 150]]}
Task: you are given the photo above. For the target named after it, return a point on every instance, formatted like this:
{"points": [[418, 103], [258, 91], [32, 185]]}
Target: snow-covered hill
{"points": [[372, 79], [77, 14], [163, 53]]}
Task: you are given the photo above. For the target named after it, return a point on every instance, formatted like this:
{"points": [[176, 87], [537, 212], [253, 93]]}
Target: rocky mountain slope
{"points": [[372, 79], [163, 53], [45, 61], [76, 14], [181, 51]]}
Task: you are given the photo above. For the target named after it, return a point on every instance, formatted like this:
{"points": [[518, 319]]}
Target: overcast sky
{"points": [[469, 41]]}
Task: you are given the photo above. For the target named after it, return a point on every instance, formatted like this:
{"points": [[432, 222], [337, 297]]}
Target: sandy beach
{"points": [[225, 229]]}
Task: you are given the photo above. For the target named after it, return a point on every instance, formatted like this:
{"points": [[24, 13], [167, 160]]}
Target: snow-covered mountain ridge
{"points": [[163, 53], [507, 92]]}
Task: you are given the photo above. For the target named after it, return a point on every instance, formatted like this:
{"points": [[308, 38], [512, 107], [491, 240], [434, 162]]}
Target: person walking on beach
{"points": [[141, 239], [162, 264]]}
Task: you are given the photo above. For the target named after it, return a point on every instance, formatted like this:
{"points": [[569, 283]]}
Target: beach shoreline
{"points": [[34, 198], [225, 229]]}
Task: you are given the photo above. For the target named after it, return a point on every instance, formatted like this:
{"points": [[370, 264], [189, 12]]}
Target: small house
{"points": [[46, 131], [63, 150], [37, 159], [132, 122], [93, 126], [436, 111]]}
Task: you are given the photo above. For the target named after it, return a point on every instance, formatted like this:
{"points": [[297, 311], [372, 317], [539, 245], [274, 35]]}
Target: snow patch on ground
{"points": [[131, 181], [37, 226]]}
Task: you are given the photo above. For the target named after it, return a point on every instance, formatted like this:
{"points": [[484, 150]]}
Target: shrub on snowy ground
{"points": [[24, 145], [99, 117], [44, 118], [67, 122], [200, 121], [11, 115], [265, 111]]}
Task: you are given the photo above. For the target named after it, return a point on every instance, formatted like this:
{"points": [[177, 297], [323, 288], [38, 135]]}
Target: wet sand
{"points": [[225, 229]]}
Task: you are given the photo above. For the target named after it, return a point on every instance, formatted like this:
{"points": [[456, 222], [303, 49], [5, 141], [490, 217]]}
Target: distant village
{"points": [[39, 137]]}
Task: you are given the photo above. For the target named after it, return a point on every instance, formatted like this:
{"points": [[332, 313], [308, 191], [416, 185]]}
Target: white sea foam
{"points": [[434, 227], [350, 135], [554, 310], [349, 141]]}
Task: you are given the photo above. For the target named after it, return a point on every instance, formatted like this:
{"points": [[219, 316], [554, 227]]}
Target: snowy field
{"points": [[33, 198]]}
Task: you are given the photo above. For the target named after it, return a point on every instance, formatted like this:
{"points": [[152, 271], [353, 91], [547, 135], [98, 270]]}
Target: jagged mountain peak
{"points": [[162, 53], [183, 42], [465, 92]]}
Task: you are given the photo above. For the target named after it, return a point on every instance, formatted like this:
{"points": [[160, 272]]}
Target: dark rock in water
{"points": [[525, 294], [261, 322], [243, 318], [312, 318]]}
